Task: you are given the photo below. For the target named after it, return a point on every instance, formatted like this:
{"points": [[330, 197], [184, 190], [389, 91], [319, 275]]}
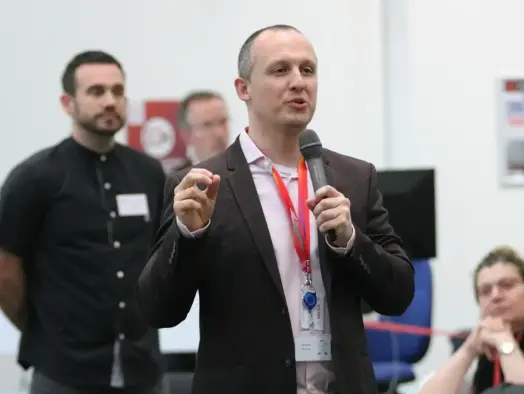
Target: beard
{"points": [[100, 126]]}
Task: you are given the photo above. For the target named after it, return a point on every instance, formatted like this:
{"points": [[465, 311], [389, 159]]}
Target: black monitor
{"points": [[409, 197]]}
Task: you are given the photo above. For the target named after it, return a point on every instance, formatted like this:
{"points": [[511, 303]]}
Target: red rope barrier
{"points": [[409, 329]]}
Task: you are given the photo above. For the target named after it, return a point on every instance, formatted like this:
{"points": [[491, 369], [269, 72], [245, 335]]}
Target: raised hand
{"points": [[195, 197]]}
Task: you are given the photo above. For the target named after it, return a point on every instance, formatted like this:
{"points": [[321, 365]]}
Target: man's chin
{"points": [[104, 132], [298, 122]]}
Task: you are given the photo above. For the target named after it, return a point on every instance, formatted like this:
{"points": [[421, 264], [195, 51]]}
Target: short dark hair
{"points": [[501, 254], [182, 121], [87, 57], [245, 60]]}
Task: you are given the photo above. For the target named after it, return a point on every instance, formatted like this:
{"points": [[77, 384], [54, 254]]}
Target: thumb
{"points": [[311, 203], [212, 189]]}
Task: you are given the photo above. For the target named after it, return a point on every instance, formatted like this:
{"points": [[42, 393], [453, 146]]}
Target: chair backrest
{"points": [[385, 346]]}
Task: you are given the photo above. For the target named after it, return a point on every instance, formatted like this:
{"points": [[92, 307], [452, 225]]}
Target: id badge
{"points": [[314, 320], [318, 314], [312, 347]]}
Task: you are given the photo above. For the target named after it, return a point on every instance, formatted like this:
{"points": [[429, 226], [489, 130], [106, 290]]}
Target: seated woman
{"points": [[492, 353]]}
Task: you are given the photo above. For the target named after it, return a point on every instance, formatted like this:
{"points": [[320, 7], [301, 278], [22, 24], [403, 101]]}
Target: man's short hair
{"points": [[87, 57], [182, 118], [245, 59]]}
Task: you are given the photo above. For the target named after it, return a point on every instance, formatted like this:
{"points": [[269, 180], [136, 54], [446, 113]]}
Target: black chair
{"points": [[456, 343]]}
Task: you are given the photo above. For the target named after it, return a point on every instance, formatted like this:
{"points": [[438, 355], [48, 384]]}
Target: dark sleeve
{"points": [[23, 200], [159, 187], [167, 286], [379, 267]]}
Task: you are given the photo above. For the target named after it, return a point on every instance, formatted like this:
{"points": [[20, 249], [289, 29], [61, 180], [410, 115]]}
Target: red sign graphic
{"points": [[152, 129]]}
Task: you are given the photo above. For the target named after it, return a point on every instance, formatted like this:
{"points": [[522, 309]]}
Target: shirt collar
{"points": [[91, 154], [255, 156], [251, 151]]}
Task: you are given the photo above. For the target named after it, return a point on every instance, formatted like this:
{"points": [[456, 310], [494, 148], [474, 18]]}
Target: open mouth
{"points": [[298, 103]]}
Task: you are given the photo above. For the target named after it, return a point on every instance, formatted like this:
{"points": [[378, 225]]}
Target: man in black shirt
{"points": [[76, 224]]}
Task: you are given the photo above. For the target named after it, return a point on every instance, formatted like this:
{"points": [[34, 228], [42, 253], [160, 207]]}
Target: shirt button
{"points": [[112, 214], [121, 336], [288, 363], [103, 158], [121, 304], [107, 186], [120, 274], [116, 244]]}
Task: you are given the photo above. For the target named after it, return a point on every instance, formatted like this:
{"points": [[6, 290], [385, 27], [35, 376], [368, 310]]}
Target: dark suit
{"points": [[246, 340]]}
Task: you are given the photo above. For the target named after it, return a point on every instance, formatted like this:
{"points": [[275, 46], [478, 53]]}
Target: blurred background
{"points": [[405, 84]]}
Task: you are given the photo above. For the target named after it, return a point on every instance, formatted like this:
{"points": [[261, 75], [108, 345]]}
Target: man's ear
{"points": [[242, 89], [67, 102]]}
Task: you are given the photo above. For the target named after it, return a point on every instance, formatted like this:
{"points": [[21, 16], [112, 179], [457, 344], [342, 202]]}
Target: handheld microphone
{"points": [[311, 149]]}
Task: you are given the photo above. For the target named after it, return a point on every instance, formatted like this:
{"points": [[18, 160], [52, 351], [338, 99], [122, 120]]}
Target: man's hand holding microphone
{"points": [[195, 197]]}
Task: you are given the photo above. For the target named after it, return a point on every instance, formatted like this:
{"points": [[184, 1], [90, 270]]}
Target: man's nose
{"points": [[109, 99], [297, 80]]}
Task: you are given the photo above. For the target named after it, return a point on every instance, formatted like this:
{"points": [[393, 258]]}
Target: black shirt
{"points": [[82, 256]]}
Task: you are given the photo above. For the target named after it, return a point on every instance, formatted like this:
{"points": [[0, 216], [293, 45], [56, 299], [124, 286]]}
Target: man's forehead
{"points": [[99, 74], [207, 108], [274, 41]]}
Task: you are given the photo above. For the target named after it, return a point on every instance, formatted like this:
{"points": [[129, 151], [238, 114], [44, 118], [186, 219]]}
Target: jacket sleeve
{"points": [[167, 285], [378, 266]]}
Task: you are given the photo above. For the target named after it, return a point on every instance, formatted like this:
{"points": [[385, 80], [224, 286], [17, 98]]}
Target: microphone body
{"points": [[317, 172], [311, 149]]}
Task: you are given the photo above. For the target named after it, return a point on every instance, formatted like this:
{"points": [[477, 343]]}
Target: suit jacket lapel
{"points": [[244, 191]]}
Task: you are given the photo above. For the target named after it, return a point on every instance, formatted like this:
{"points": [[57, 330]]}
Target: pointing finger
{"points": [[212, 189]]}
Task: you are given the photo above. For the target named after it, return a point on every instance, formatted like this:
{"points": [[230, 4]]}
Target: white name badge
{"points": [[310, 347], [132, 205]]}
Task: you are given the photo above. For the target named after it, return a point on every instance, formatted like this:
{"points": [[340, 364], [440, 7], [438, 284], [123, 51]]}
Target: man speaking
{"points": [[280, 268]]}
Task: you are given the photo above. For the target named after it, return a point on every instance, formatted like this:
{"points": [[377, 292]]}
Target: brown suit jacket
{"points": [[246, 340]]}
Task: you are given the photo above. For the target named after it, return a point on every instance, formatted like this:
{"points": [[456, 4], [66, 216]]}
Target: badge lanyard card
{"points": [[312, 317]]}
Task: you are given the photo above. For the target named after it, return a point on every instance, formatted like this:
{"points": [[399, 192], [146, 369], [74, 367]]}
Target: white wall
{"points": [[170, 48], [446, 59]]}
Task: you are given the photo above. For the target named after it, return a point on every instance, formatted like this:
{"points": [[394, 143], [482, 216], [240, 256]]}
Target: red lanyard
{"points": [[497, 371], [300, 227], [299, 223]]}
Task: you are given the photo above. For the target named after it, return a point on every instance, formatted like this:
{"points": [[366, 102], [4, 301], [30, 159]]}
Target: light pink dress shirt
{"points": [[312, 377]]}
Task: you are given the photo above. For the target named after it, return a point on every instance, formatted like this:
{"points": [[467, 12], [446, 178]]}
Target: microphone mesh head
{"points": [[309, 143]]}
